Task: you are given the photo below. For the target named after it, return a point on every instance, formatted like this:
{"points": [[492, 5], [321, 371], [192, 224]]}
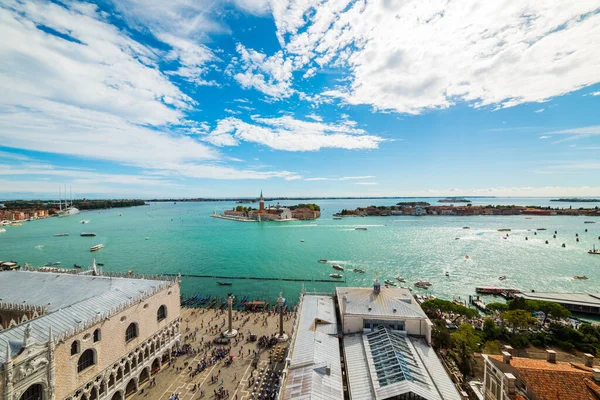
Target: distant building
{"points": [[519, 378], [79, 337]]}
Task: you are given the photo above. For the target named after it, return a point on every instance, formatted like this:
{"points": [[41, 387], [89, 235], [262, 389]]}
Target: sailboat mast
{"points": [[59, 199]]}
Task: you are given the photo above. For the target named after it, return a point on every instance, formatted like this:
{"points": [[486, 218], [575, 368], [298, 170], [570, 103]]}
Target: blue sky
{"points": [[184, 98]]}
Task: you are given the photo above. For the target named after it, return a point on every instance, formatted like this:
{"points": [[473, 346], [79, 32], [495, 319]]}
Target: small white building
{"points": [[364, 309]]}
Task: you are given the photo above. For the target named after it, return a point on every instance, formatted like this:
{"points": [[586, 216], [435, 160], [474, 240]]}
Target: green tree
{"points": [[440, 335], [491, 331], [435, 307], [491, 347], [465, 341], [517, 319], [548, 308], [500, 307]]}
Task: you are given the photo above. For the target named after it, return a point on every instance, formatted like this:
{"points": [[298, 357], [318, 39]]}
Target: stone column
{"points": [[51, 378], [282, 337], [230, 332]]}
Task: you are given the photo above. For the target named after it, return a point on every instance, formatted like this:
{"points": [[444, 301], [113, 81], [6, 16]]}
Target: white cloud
{"points": [[315, 117], [289, 134], [595, 93], [544, 137], [540, 110], [230, 111], [99, 95], [577, 133], [411, 56], [365, 183], [343, 178], [270, 75]]}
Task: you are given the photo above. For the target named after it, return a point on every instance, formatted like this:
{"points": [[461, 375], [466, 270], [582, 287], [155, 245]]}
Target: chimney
{"points": [[596, 375], [588, 360], [506, 357], [327, 370], [551, 356], [509, 349], [511, 383]]}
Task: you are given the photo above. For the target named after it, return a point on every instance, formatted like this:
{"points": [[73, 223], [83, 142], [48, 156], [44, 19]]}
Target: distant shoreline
{"points": [[576, 200]]}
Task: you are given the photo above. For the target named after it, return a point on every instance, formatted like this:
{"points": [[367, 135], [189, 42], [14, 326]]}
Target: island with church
{"points": [[275, 212]]}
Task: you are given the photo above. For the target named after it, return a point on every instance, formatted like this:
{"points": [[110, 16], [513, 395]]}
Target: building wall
{"points": [[112, 346]]}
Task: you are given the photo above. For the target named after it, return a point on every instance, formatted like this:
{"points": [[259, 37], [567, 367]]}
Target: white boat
{"points": [[400, 279], [62, 234], [88, 234], [2, 230], [96, 247], [503, 277], [335, 266], [85, 221], [360, 229], [389, 282], [335, 275], [69, 210]]}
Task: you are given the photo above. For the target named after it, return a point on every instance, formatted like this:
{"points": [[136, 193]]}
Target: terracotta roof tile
{"points": [[554, 381]]}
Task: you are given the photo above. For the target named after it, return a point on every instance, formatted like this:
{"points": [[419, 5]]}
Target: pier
{"points": [[259, 278]]}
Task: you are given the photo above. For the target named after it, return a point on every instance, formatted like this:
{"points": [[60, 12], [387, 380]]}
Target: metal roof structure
{"points": [[73, 302], [385, 363], [390, 302], [315, 370], [585, 299]]}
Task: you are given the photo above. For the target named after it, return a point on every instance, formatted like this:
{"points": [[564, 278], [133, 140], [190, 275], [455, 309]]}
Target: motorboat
{"points": [[400, 279], [360, 271], [335, 275], [422, 284], [88, 234], [15, 224], [337, 217], [447, 273], [503, 277], [390, 282], [594, 251], [322, 261], [466, 227], [360, 228], [51, 264], [301, 240], [224, 283], [96, 247], [541, 229], [589, 222], [147, 238], [2, 230], [580, 277], [85, 221], [77, 266], [339, 268], [504, 230], [62, 234]]}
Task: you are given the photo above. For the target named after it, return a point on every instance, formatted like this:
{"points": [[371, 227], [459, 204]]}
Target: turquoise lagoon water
{"points": [[183, 238]]}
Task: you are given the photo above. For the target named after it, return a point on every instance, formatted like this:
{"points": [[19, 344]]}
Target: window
{"points": [[131, 332], [75, 347], [33, 392], [161, 313], [86, 360], [96, 335]]}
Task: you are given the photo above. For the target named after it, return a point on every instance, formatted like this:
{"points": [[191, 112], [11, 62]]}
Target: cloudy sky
{"points": [[154, 98]]}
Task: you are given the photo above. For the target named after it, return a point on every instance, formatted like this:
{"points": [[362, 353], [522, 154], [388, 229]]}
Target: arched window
{"points": [[161, 313], [33, 392], [131, 332], [75, 347], [96, 335], [86, 360]]}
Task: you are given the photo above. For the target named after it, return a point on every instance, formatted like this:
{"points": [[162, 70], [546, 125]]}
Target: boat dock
{"points": [[507, 293], [586, 303]]}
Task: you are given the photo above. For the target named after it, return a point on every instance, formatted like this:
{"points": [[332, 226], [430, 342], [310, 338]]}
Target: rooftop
{"points": [[315, 351], [385, 363], [588, 299], [72, 301], [558, 380], [390, 302]]}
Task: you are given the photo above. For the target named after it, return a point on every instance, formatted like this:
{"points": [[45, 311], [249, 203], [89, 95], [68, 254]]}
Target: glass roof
{"points": [[393, 358]]}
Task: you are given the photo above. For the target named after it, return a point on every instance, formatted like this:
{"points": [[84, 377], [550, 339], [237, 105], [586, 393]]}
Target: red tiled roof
{"points": [[554, 381]]}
